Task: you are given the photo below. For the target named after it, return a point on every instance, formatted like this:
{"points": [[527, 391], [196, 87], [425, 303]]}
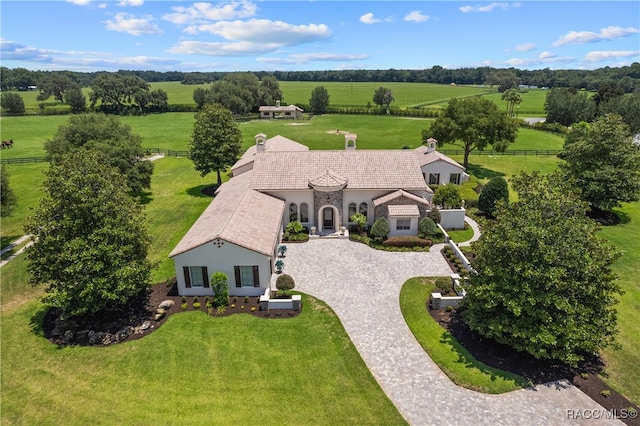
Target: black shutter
{"points": [[238, 280], [256, 277], [187, 278], [205, 277]]}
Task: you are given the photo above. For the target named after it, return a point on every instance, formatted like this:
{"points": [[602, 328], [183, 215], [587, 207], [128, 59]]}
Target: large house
{"points": [[278, 181]]}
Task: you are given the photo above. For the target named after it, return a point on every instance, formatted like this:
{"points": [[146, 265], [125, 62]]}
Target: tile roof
{"points": [[425, 157], [280, 108], [239, 215], [276, 143], [363, 169], [403, 210], [328, 181], [399, 194]]}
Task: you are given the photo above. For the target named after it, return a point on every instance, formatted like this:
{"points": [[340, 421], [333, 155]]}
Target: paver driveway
{"points": [[362, 286]]}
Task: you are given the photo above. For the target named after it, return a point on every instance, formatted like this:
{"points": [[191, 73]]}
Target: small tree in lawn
{"points": [[285, 282], [380, 229], [360, 220], [216, 140], [13, 103], [220, 287], [447, 196], [319, 100], [383, 97], [495, 190], [427, 228], [544, 283], [7, 196]]}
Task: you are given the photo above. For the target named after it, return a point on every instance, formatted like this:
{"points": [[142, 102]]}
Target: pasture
{"points": [[177, 377]]}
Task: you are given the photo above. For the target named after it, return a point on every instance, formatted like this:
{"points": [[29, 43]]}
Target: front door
{"points": [[327, 216]]}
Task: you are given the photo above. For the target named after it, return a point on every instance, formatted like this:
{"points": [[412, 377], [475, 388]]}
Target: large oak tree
{"points": [[544, 283], [472, 123], [90, 238]]}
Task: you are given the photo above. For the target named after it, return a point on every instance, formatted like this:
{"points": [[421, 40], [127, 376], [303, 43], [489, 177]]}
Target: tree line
{"points": [[627, 77]]}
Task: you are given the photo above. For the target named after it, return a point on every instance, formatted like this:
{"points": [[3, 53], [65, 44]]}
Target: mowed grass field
{"points": [[358, 93], [43, 378]]}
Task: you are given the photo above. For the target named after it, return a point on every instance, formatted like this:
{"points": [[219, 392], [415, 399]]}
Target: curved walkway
{"points": [[476, 231], [362, 286]]}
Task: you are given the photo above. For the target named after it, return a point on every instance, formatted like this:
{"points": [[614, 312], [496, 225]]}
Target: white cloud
{"points": [[525, 47], [126, 23], [206, 12], [131, 3], [600, 56], [416, 16], [304, 58], [583, 37], [102, 6], [488, 8], [222, 49], [368, 19], [265, 31], [541, 60], [80, 2], [547, 55]]}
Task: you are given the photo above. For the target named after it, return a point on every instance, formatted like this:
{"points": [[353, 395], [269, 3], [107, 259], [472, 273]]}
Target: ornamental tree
{"points": [[380, 229], [285, 282], [544, 283], [604, 162], [495, 190], [220, 287], [427, 228], [447, 196], [90, 237], [216, 140], [383, 97], [472, 123]]}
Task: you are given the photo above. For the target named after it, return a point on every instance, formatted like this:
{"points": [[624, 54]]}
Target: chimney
{"points": [[431, 145], [350, 141], [261, 141]]}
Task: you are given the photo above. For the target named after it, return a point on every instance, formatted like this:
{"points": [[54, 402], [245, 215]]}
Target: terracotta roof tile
{"points": [[399, 194], [403, 210], [276, 143], [425, 157]]}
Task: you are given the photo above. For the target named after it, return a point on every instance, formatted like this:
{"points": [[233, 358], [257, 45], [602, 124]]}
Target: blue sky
{"points": [[88, 35]]}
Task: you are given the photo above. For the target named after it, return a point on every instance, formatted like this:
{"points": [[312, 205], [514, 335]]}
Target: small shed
{"points": [[279, 111]]}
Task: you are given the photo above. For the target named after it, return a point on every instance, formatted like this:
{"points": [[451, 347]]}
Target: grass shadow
{"points": [[37, 320], [202, 191], [623, 217], [145, 197], [482, 172], [6, 240]]}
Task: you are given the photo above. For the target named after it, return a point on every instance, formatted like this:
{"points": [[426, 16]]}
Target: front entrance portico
{"points": [[328, 219]]}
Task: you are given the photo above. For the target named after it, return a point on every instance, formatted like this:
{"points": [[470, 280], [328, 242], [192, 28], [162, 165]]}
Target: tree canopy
{"points": [[544, 282], [567, 106], [494, 191], [604, 162], [240, 93], [447, 196], [90, 238], [124, 94], [472, 123], [383, 97], [7, 196], [56, 85], [216, 140], [319, 100], [114, 141], [13, 103]]}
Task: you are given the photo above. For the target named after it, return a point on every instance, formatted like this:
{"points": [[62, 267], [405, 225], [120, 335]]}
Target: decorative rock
{"points": [[147, 324], [122, 334], [159, 316], [166, 304], [108, 339], [160, 311], [96, 338]]}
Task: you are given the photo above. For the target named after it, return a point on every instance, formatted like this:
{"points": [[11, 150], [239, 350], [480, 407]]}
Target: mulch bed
{"points": [[585, 377], [136, 320]]}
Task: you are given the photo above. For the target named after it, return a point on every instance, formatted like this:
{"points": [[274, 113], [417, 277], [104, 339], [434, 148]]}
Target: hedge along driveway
{"points": [[362, 286]]}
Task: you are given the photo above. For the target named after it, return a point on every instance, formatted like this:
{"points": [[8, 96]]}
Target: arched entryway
{"points": [[328, 219]]}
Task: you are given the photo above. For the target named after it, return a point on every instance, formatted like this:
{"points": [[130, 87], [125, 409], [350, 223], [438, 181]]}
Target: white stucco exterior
{"points": [[444, 170], [223, 256]]}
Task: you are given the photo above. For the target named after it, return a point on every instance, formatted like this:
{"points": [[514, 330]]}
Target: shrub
{"points": [[443, 283], [380, 229], [360, 221], [434, 214], [294, 227], [285, 282], [427, 228], [221, 309], [494, 191], [220, 287], [407, 241], [196, 305], [253, 309], [184, 306], [282, 250], [447, 196], [279, 265], [606, 393]]}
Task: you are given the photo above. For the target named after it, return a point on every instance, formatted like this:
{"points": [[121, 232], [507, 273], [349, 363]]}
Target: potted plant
{"points": [[282, 250], [279, 265]]}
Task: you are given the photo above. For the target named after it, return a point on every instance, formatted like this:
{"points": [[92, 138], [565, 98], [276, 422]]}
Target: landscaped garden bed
{"points": [[143, 315], [453, 261]]}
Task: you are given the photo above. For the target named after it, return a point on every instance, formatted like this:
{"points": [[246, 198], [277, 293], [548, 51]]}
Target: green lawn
{"points": [[454, 360], [195, 369]]}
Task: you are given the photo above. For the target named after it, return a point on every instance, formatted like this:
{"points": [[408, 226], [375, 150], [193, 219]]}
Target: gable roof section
{"points": [[399, 194], [238, 215], [362, 169], [404, 210], [276, 143], [280, 108], [425, 157]]}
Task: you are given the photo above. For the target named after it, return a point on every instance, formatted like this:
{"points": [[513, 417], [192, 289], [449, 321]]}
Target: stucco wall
{"points": [[452, 218], [445, 169], [223, 259], [413, 230]]}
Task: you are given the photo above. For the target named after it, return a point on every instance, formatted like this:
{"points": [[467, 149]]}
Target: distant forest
{"points": [[627, 78]]}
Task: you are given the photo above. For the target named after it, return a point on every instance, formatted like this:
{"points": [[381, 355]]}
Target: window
{"points": [[293, 212], [247, 276], [304, 212], [352, 210], [454, 178], [363, 209], [195, 276], [434, 178], [403, 224]]}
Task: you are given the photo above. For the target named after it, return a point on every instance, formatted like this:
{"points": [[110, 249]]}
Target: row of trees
{"points": [[241, 93], [626, 77]]}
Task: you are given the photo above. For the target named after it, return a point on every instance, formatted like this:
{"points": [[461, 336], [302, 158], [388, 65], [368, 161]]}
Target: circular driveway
{"points": [[362, 286]]}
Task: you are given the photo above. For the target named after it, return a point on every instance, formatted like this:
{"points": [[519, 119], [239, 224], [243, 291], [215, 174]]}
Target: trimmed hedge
{"points": [[407, 241]]}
